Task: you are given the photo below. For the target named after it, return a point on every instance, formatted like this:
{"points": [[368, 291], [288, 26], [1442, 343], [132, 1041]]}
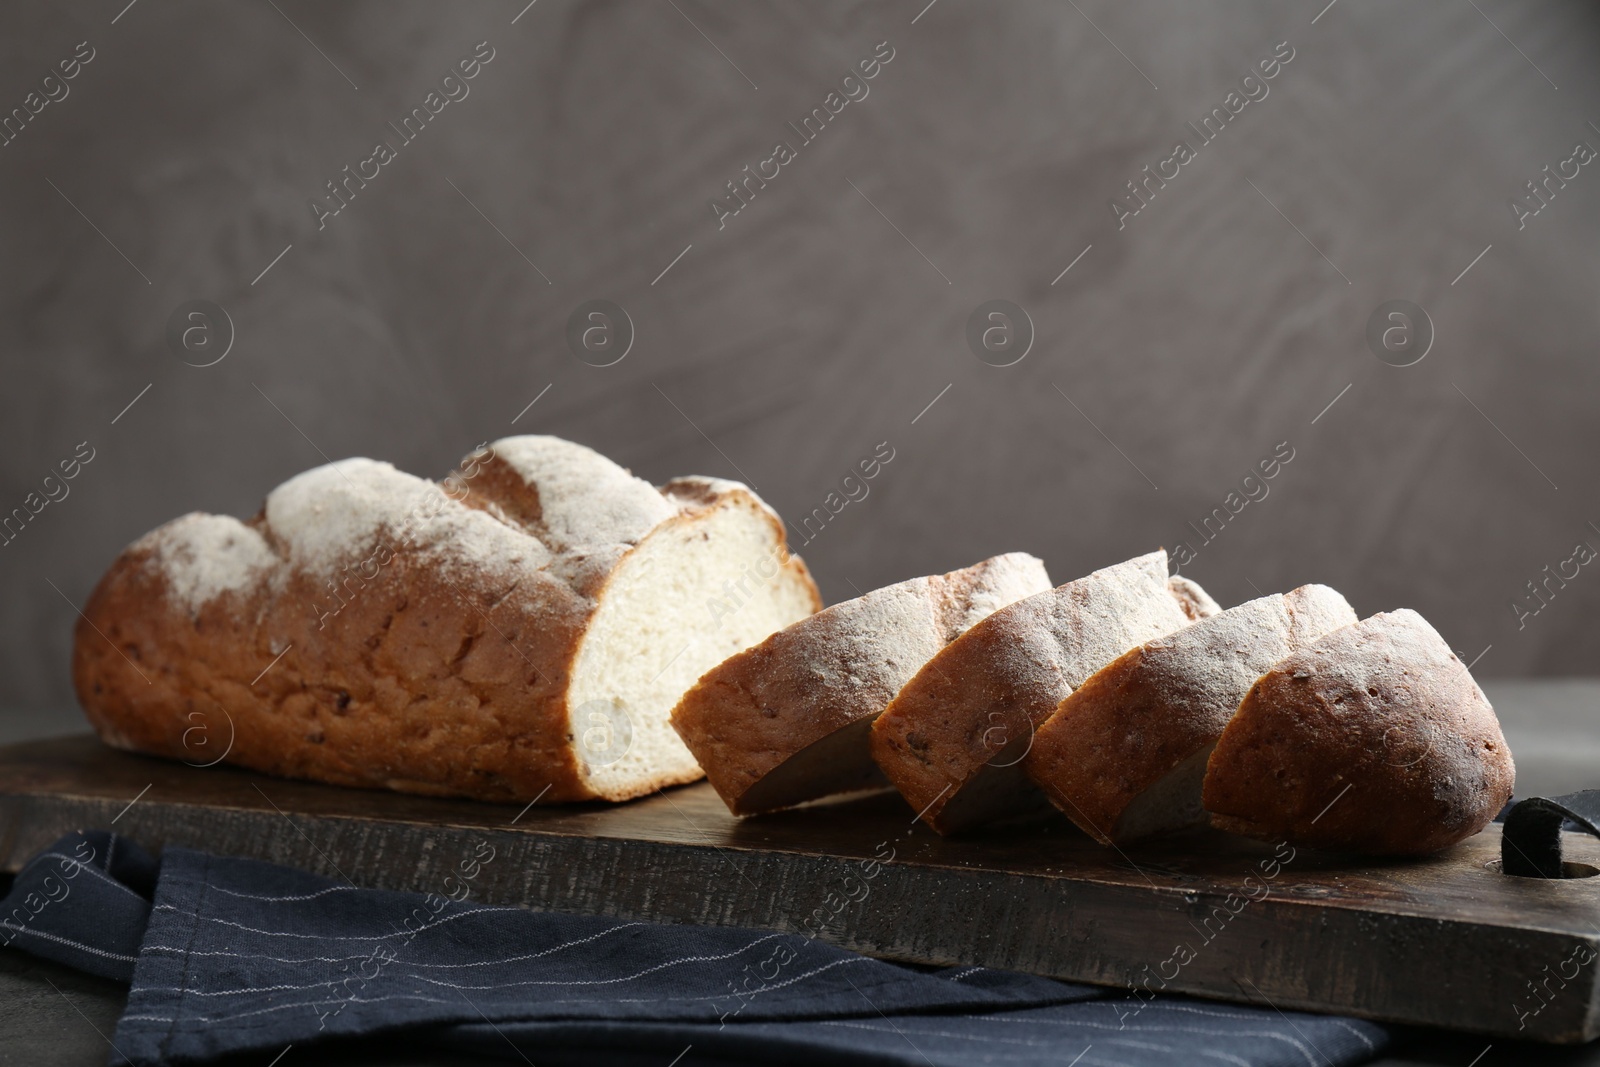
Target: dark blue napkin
{"points": [[227, 955]]}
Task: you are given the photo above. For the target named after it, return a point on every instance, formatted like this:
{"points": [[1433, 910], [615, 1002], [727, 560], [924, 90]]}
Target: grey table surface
{"points": [[51, 1016]]}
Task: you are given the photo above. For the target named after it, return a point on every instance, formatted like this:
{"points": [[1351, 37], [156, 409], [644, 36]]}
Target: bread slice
{"points": [[1374, 740], [786, 721], [519, 631], [954, 737], [1125, 753]]}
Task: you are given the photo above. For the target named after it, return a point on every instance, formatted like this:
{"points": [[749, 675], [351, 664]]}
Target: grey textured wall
{"points": [[1177, 353]]}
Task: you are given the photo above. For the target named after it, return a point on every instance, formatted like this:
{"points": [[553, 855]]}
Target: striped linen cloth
{"points": [[227, 955]]}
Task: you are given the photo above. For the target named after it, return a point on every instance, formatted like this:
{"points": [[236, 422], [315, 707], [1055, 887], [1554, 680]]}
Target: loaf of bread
{"points": [[786, 721], [1375, 739], [953, 739], [1125, 753], [519, 631]]}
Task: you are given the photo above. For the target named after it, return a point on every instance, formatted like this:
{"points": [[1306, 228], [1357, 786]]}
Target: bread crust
{"points": [[752, 717], [956, 734], [1195, 601], [1374, 740], [435, 671], [1136, 720]]}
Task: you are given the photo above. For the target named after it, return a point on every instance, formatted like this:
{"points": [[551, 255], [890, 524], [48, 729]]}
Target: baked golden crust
{"points": [[416, 685], [436, 659], [785, 721], [1140, 718], [1375, 740]]}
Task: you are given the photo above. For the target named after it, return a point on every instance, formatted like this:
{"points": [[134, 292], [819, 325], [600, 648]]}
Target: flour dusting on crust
{"points": [[204, 556], [584, 498], [353, 515], [339, 514]]}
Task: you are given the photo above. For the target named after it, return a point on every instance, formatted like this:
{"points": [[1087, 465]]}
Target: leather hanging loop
{"points": [[1530, 843]]}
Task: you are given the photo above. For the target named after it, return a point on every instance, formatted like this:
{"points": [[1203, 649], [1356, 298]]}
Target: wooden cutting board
{"points": [[1442, 941]]}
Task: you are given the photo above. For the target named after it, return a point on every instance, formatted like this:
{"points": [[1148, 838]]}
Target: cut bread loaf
{"points": [[519, 631], [786, 721], [1125, 753], [953, 739], [1375, 739]]}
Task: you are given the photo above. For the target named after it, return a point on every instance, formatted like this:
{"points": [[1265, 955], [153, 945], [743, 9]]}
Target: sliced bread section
{"points": [[1375, 739], [954, 737], [1125, 753], [786, 721]]}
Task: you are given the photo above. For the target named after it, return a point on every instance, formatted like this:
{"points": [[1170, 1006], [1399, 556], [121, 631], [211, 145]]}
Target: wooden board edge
{"points": [[1010, 921]]}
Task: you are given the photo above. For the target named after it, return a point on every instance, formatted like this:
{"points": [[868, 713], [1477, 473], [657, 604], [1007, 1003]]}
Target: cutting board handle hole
{"points": [[1569, 869], [1531, 836]]}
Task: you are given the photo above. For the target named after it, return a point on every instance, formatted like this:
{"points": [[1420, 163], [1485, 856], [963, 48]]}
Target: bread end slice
{"points": [[1373, 740]]}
